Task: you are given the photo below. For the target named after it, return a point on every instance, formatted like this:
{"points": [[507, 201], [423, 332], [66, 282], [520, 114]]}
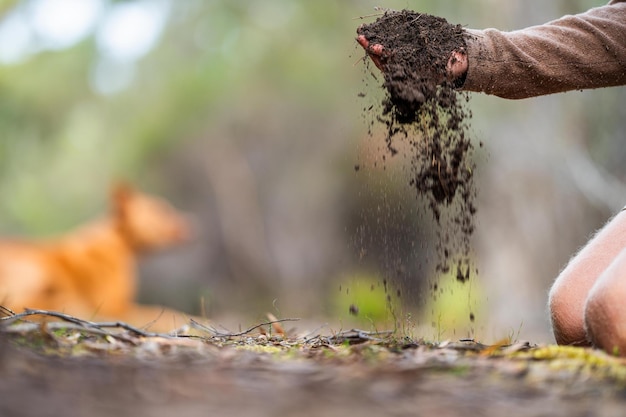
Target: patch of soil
{"points": [[423, 107]]}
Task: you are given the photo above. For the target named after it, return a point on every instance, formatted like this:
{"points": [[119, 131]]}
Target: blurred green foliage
{"points": [[62, 142]]}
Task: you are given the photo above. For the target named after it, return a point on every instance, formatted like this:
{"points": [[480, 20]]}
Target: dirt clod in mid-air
{"points": [[423, 107]]}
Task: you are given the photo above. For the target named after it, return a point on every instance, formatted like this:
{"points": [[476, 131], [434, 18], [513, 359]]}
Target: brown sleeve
{"points": [[583, 51]]}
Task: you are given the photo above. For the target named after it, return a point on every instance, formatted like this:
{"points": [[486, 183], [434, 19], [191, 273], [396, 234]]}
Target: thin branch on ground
{"points": [[314, 334], [6, 310], [356, 336], [83, 323], [217, 333], [29, 326]]}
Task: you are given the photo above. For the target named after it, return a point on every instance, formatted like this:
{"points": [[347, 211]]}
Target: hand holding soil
{"points": [[456, 67], [417, 53]]}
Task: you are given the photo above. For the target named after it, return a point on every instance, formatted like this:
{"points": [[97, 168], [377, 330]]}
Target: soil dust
{"points": [[423, 108]]}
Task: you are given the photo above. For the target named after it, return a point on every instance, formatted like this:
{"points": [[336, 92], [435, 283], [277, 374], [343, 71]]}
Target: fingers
{"points": [[456, 68], [376, 52], [375, 49], [457, 64], [363, 41]]}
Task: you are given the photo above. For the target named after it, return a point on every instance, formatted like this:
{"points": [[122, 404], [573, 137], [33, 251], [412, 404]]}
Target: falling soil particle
{"points": [[423, 108], [353, 310]]}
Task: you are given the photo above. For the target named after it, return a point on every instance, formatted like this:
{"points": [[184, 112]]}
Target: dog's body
{"points": [[91, 272]]}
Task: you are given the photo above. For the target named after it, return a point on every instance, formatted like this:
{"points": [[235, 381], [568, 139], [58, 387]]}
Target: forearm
{"points": [[575, 52]]}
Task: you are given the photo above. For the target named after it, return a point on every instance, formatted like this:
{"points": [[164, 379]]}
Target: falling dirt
{"points": [[423, 108]]}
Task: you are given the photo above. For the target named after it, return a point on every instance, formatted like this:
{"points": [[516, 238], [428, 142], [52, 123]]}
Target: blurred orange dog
{"points": [[91, 272]]}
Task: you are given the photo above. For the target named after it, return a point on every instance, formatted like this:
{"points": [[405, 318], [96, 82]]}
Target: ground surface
{"points": [[69, 370]]}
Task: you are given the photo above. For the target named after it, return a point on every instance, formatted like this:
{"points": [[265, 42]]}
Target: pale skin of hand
{"points": [[457, 64]]}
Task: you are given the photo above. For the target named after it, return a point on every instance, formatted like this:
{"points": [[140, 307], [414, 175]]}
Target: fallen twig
{"points": [[314, 334], [217, 333], [85, 324], [359, 336]]}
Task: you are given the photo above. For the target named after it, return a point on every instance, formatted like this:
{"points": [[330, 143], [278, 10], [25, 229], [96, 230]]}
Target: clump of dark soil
{"points": [[422, 106], [417, 47]]}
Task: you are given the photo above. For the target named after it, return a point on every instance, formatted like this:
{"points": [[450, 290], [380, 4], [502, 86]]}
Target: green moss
{"points": [[576, 359]]}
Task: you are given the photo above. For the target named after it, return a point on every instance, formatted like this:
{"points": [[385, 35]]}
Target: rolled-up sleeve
{"points": [[575, 52]]}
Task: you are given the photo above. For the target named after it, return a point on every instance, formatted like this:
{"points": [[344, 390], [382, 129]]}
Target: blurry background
{"points": [[246, 115]]}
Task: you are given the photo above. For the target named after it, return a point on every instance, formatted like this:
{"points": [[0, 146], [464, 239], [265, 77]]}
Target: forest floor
{"points": [[74, 368]]}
